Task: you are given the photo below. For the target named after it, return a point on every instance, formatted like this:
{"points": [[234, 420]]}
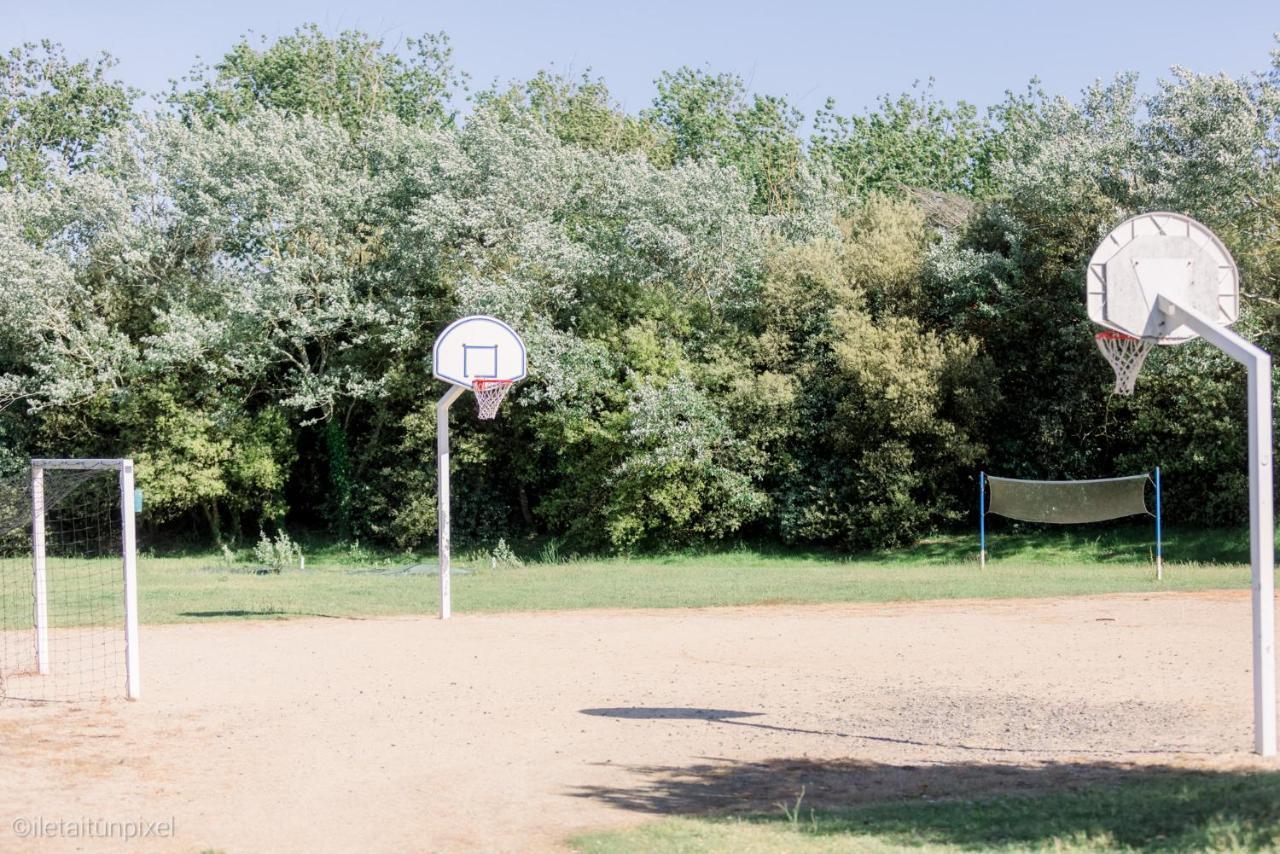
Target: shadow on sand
{"points": [[979, 804], [267, 613]]}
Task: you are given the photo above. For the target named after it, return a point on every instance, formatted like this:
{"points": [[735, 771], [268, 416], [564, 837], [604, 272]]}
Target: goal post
{"points": [[77, 635], [38, 567], [982, 520]]}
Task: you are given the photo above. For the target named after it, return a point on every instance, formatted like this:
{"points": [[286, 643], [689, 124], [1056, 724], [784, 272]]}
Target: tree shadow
{"points": [[977, 805], [267, 613]]}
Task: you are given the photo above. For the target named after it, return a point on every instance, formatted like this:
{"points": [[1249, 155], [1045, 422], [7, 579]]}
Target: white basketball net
{"points": [[489, 395], [1126, 355]]}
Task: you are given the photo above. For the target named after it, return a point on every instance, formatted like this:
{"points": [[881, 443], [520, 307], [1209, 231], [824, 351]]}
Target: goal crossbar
{"points": [[81, 465]]}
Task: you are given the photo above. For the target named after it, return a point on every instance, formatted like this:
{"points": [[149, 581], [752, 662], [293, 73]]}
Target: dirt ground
{"points": [[516, 731]]}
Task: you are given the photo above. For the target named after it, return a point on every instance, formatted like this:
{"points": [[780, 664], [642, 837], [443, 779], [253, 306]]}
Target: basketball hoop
{"points": [[489, 395], [1126, 355], [485, 355]]}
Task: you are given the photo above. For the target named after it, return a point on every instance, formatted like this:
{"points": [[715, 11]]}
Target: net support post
{"points": [[982, 520], [1159, 539], [129, 544], [442, 495], [39, 573], [1261, 518]]}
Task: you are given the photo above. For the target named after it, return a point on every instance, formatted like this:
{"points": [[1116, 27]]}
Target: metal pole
{"points": [[39, 581], [1262, 530], [1261, 519], [1159, 548], [133, 680], [442, 494], [982, 520]]}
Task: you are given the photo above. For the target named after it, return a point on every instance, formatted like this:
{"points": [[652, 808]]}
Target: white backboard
{"points": [[478, 348], [1160, 253]]}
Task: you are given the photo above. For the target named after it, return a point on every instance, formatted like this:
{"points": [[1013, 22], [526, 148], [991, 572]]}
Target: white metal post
{"points": [[39, 579], [1262, 548], [1261, 519], [442, 494], [982, 520], [129, 543]]}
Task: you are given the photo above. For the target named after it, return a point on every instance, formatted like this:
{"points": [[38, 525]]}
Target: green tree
{"points": [[53, 111], [709, 117], [887, 412], [243, 295], [351, 77], [579, 112], [914, 140]]}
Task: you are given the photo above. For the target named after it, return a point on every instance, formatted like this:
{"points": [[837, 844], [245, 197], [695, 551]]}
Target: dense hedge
{"points": [[736, 328]]}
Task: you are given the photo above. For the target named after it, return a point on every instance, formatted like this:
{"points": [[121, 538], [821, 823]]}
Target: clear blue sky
{"points": [[804, 49]]}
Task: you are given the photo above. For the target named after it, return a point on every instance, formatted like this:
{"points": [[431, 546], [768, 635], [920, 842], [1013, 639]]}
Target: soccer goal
{"points": [[1067, 502], [68, 582]]}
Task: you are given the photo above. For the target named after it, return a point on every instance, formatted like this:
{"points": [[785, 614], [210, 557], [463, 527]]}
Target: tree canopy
{"points": [[740, 324]]}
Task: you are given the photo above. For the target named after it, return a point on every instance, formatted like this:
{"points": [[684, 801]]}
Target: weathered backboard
{"points": [[1160, 253], [478, 348]]}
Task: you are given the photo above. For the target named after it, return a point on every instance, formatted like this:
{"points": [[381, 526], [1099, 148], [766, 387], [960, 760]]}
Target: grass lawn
{"points": [[1151, 812], [344, 583]]}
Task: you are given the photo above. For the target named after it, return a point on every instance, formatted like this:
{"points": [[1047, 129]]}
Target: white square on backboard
{"points": [[480, 360]]}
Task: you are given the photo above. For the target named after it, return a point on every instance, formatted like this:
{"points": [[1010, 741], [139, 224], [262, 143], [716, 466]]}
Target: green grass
{"points": [[1167, 811], [342, 583]]}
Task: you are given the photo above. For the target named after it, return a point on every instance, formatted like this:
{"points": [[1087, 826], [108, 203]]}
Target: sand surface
{"points": [[512, 732]]}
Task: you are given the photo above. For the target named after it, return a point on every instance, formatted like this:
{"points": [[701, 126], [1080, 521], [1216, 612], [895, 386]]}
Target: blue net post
{"points": [[1159, 546], [982, 519]]}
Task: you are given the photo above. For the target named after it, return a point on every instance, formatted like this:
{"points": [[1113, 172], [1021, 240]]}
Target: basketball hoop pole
{"points": [[442, 493], [485, 355], [1261, 520]]}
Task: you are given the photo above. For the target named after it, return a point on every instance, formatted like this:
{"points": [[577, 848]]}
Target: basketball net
{"points": [[489, 395], [1126, 355]]}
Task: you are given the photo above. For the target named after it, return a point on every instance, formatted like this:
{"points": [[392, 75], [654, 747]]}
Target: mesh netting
{"points": [[84, 583], [489, 395], [1126, 355], [1068, 502]]}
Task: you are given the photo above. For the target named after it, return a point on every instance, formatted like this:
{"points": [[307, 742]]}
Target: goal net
{"points": [[1068, 502], [68, 616]]}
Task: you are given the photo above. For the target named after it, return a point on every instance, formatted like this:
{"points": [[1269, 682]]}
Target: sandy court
{"points": [[515, 731]]}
